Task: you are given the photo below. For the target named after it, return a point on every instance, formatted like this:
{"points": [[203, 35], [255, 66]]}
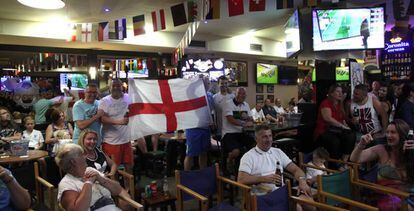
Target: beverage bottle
{"points": [[165, 185], [279, 172], [410, 135]]}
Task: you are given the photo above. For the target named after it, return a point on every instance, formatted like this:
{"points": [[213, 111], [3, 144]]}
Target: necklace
{"points": [[94, 158]]}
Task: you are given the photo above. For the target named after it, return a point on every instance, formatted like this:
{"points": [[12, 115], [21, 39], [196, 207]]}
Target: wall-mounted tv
{"points": [[236, 72], [292, 35], [266, 73], [342, 73], [137, 68], [347, 29], [288, 75], [76, 81]]}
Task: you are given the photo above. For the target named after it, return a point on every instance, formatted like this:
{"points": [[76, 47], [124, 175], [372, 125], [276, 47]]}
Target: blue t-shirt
{"points": [[4, 197], [40, 108], [83, 111]]}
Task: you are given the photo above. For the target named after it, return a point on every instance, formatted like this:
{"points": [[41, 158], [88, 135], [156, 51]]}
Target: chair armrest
{"points": [[192, 193], [343, 162], [231, 182], [320, 168], [380, 188], [131, 202], [348, 201], [44, 182], [316, 204], [125, 174]]}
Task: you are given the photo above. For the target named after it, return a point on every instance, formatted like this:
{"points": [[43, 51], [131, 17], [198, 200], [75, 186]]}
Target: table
{"points": [[160, 200], [31, 155]]}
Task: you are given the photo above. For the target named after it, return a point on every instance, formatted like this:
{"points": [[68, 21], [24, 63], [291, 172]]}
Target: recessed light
{"points": [[44, 4], [106, 9]]}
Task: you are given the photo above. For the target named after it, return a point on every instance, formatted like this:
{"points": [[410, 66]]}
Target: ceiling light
{"points": [[43, 4], [107, 10]]}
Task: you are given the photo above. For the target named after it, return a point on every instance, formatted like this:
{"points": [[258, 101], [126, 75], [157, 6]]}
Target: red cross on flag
{"points": [[86, 32], [159, 106]]}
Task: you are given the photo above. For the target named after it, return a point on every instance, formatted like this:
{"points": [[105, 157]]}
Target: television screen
{"points": [[345, 29], [342, 73], [236, 72], [288, 75], [292, 35], [266, 73], [75, 80], [137, 68]]}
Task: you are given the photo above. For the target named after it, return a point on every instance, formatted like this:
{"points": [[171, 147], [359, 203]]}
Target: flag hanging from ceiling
{"points": [[257, 5], [103, 31], [311, 3], [192, 10], [139, 24], [158, 20], [86, 32], [73, 33], [235, 7], [159, 106], [284, 4], [120, 28], [213, 9], [178, 14]]}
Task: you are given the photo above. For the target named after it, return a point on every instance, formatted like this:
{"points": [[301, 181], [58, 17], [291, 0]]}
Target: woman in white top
{"points": [[84, 188], [35, 137]]}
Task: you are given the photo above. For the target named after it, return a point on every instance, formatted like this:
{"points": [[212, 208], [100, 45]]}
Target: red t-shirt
{"points": [[337, 114]]}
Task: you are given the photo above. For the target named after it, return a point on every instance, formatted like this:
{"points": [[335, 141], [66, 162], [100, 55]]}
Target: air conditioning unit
{"points": [[256, 47]]}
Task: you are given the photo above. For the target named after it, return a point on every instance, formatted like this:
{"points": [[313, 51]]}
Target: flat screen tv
{"points": [[76, 81], [348, 29], [137, 68], [288, 75], [342, 73], [292, 35], [266, 73]]}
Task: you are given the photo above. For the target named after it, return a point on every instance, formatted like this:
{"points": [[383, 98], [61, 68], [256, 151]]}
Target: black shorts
{"points": [[240, 141]]}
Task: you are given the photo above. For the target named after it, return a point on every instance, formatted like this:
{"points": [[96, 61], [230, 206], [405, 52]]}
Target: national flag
{"points": [[103, 31], [120, 29], [213, 8], [235, 7], [158, 20], [159, 106], [178, 14], [311, 3], [86, 32], [139, 24], [192, 10], [284, 4], [257, 5], [73, 33]]}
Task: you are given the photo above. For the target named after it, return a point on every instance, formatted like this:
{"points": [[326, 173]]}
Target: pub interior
{"points": [[206, 105]]}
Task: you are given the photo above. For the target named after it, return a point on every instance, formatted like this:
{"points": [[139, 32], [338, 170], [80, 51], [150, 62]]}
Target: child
{"points": [[319, 156], [35, 137]]}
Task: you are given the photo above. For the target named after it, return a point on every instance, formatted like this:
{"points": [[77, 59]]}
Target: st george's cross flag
{"points": [[159, 106]]}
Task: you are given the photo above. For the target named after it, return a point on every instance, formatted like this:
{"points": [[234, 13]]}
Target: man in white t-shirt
{"points": [[220, 99], [257, 112], [236, 115], [115, 130], [258, 166], [278, 106]]}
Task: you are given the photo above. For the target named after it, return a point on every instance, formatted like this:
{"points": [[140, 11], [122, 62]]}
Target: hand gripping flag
{"points": [[160, 106]]}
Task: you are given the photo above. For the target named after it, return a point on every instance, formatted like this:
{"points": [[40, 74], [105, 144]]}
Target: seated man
{"points": [[13, 196], [260, 165]]}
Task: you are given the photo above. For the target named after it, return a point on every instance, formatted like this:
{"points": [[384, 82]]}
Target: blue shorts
{"points": [[198, 141]]}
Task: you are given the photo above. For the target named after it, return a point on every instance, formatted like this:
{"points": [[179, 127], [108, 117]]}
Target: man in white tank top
{"points": [[366, 111]]}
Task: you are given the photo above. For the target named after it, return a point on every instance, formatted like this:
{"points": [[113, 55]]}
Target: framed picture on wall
{"points": [[259, 88], [270, 88], [271, 98], [259, 98]]}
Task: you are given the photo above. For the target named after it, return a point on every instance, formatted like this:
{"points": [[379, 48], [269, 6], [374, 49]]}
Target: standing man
{"points": [[115, 131], [86, 113], [236, 115], [366, 110], [220, 100], [42, 105], [198, 139]]}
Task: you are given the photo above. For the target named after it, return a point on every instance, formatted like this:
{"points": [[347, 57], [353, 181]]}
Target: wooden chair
{"points": [[204, 183], [282, 198], [337, 188], [39, 182], [361, 183], [127, 178]]}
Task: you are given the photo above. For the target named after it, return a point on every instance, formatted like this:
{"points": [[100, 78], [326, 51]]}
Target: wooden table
{"points": [[31, 155], [160, 200]]}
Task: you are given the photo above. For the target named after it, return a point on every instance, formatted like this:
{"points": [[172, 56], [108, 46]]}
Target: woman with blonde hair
{"points": [[95, 157]]}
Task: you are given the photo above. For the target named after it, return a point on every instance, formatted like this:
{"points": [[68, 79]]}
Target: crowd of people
{"points": [[373, 126]]}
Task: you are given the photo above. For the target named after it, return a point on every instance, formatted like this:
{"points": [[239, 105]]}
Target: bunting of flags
{"points": [[190, 11]]}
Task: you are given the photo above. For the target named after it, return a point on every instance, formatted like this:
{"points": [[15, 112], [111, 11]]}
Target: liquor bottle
{"points": [[279, 172], [165, 185]]}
